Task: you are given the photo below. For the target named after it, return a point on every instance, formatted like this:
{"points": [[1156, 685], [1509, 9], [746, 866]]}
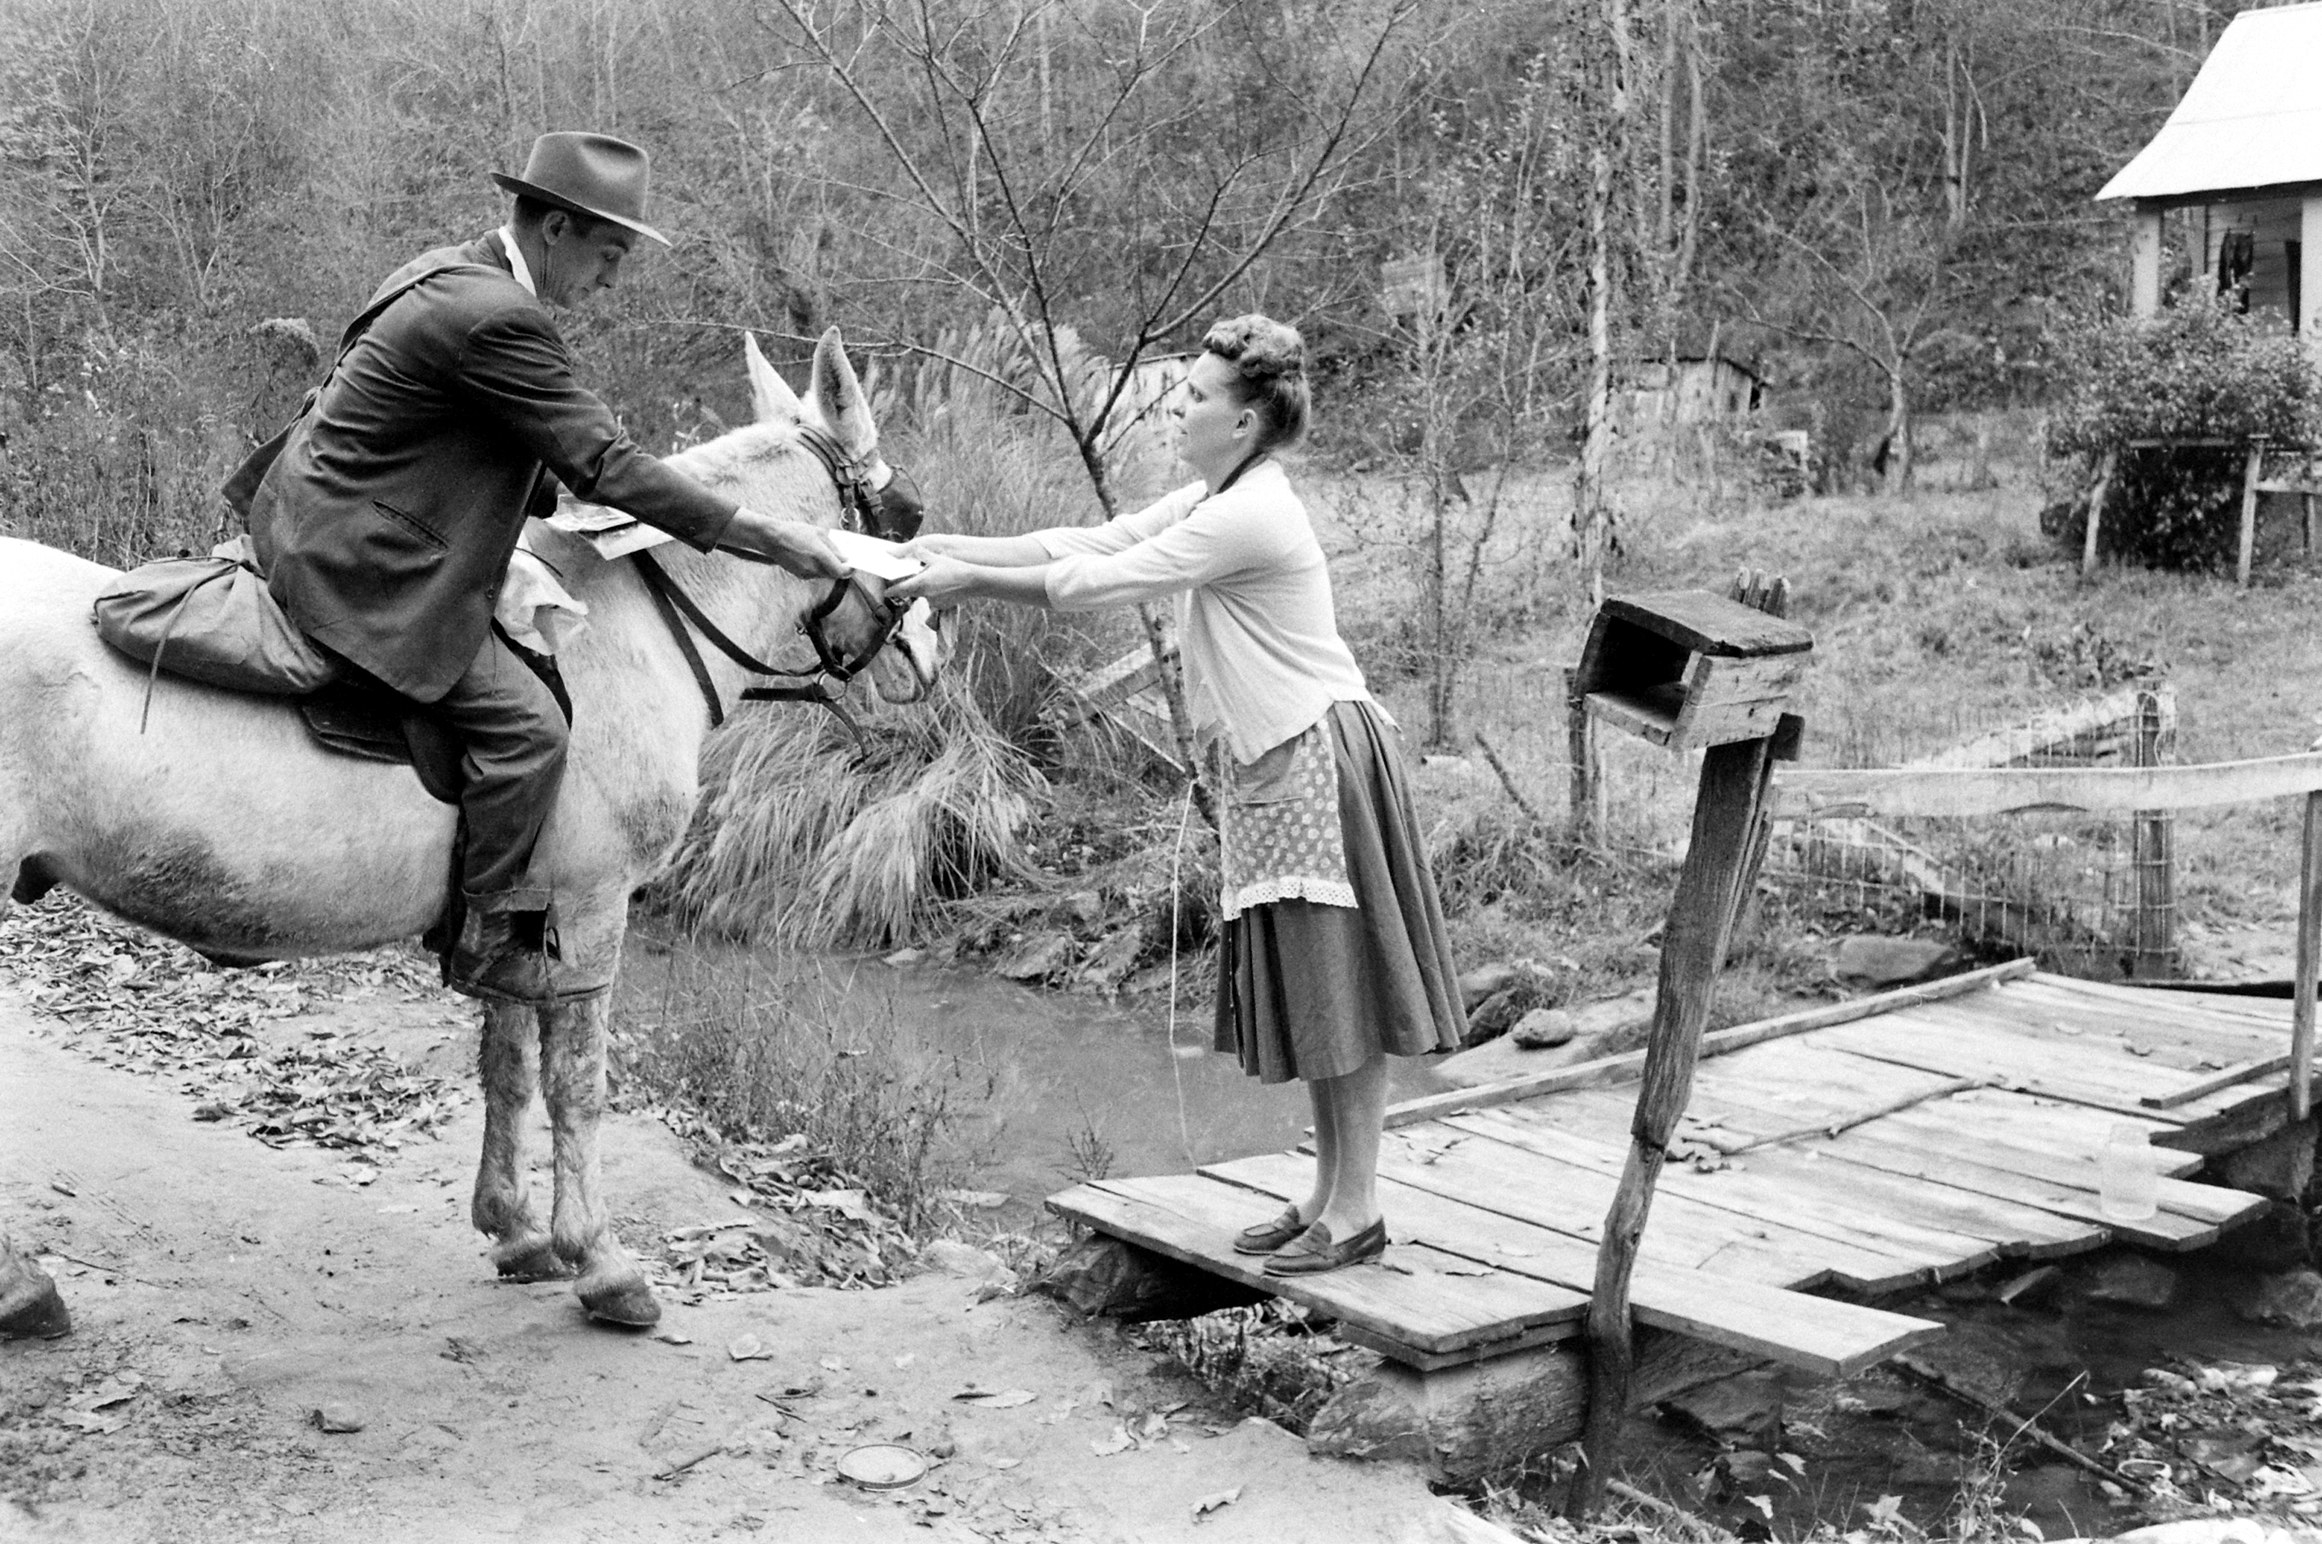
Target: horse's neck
{"points": [[627, 658], [627, 661]]}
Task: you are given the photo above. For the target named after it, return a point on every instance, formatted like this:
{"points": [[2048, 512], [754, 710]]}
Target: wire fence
{"points": [[2088, 895]]}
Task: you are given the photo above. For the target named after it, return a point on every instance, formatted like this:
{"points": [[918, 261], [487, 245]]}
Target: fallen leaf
{"points": [[1119, 1442], [748, 1348], [1005, 1399], [674, 1338], [1211, 1503]]}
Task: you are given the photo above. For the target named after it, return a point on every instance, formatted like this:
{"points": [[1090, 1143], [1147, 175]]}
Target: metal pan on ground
{"points": [[882, 1465]]}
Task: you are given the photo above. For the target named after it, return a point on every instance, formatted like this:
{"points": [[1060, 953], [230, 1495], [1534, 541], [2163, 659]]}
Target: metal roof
{"points": [[2251, 119]]}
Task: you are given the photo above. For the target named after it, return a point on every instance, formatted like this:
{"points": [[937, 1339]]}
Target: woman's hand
{"points": [[941, 582]]}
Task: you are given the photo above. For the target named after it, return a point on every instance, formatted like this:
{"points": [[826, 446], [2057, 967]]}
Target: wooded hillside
{"points": [[1884, 203]]}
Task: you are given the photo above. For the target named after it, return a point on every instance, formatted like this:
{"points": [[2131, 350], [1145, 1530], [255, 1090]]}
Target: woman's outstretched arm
{"points": [[983, 551], [947, 580]]}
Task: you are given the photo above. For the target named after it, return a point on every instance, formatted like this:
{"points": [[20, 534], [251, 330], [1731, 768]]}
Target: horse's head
{"points": [[859, 492]]}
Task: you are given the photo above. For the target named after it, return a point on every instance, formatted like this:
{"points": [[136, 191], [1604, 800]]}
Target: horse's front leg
{"points": [[502, 1206], [572, 1043]]}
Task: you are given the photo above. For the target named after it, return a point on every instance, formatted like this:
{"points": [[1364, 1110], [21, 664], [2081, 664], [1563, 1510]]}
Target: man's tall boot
{"points": [[502, 956]]}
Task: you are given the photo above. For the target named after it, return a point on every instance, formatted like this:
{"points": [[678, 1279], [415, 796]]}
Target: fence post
{"points": [[1587, 779], [2154, 858]]}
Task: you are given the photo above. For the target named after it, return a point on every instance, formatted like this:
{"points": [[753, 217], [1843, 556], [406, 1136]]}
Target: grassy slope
{"points": [[1936, 616]]}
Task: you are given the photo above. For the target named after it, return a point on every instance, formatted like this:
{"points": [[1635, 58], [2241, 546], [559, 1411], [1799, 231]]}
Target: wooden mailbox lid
{"points": [[1689, 668]]}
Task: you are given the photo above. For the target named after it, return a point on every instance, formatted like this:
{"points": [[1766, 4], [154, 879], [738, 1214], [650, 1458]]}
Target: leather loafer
{"points": [[1267, 1237], [1312, 1252]]}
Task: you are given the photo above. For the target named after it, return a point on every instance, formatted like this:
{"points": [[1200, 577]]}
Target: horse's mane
{"points": [[733, 457]]}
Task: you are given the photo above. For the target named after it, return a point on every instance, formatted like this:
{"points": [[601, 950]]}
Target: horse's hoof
{"points": [[32, 1309], [631, 1304], [530, 1259]]}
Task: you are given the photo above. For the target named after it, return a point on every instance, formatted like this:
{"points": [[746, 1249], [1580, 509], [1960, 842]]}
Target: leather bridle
{"points": [[887, 508]]}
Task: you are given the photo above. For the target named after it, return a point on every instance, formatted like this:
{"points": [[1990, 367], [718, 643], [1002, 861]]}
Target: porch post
{"points": [[2309, 318], [2145, 261]]}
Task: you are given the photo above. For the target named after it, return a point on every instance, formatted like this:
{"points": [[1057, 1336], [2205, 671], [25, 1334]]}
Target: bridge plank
{"points": [[1758, 1192], [1419, 1302], [1683, 1231], [1795, 1328]]}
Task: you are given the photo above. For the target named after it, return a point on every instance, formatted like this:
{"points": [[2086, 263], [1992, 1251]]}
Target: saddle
{"points": [[376, 725]]}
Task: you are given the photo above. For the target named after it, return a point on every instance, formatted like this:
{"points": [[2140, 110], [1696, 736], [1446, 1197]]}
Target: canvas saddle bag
{"points": [[211, 620]]}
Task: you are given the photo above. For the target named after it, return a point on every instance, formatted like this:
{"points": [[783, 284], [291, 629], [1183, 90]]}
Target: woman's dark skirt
{"points": [[1308, 991]]}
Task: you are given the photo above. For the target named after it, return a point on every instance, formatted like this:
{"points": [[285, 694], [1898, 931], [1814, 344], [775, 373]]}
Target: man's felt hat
{"points": [[591, 174]]}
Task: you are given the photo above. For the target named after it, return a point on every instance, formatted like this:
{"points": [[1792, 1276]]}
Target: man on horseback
{"points": [[386, 515]]}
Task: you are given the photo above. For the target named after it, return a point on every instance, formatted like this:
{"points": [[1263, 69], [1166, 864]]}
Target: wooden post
{"points": [[2309, 319], [2249, 498], [2145, 261], [1734, 781], [2309, 933], [2095, 513], [2154, 859], [1587, 779]]}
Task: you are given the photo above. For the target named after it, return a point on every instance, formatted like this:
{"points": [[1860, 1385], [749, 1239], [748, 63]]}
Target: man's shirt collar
{"points": [[516, 263]]}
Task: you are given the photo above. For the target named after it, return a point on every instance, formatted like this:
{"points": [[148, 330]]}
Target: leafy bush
{"points": [[2198, 371]]}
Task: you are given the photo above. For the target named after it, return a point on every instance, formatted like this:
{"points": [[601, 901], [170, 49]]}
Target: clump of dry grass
{"points": [[798, 842]]}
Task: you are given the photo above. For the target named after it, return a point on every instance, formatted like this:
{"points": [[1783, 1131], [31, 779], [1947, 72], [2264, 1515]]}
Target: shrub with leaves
{"points": [[2196, 371]]}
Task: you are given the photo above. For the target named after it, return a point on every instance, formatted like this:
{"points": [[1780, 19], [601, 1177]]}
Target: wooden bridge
{"points": [[1860, 1149]]}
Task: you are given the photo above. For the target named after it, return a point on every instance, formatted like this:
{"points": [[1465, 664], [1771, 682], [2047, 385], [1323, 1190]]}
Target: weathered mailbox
{"points": [[1688, 668], [1685, 669]]}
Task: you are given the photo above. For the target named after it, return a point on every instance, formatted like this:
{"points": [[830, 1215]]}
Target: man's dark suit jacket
{"points": [[386, 523]]}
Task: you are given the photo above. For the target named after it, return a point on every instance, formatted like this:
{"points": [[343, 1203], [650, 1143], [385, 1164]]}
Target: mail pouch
{"points": [[211, 620]]}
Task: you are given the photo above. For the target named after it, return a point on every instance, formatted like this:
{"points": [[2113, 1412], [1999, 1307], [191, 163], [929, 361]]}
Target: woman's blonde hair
{"points": [[1269, 360]]}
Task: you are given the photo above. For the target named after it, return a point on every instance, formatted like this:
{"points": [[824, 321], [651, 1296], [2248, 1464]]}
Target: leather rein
{"points": [[826, 682]]}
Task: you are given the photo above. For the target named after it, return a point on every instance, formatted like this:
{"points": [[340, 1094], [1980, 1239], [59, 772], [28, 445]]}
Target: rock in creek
{"points": [[1745, 1411], [1482, 982], [2276, 1239], [1543, 1029], [1038, 957], [2291, 1298], [1494, 1016], [2132, 1281]]}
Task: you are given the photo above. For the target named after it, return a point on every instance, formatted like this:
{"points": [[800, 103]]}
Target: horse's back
{"points": [[205, 814]]}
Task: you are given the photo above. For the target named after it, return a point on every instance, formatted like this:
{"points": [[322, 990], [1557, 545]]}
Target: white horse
{"points": [[221, 824]]}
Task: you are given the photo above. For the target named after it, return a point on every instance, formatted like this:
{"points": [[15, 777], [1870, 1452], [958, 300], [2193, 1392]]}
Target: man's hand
{"points": [[790, 544]]}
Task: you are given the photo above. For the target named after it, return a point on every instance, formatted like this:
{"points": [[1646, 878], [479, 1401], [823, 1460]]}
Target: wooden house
{"points": [[1691, 389], [2241, 159]]}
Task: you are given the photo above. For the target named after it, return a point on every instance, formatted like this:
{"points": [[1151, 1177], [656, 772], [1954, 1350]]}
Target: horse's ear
{"points": [[770, 395], [838, 396]]}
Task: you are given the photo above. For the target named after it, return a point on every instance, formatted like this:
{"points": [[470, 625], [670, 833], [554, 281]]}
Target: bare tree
{"points": [[1000, 170]]}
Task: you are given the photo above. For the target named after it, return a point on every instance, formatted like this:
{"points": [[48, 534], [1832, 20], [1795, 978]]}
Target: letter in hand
{"points": [[943, 579]]}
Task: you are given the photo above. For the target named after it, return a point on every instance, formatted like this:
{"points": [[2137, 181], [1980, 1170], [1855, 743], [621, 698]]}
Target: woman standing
{"points": [[1333, 955]]}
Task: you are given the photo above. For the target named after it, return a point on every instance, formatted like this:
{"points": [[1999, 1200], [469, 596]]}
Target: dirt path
{"points": [[224, 1291]]}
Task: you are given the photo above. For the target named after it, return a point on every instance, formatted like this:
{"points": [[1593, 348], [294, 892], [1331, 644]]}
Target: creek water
{"points": [[1078, 1084]]}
